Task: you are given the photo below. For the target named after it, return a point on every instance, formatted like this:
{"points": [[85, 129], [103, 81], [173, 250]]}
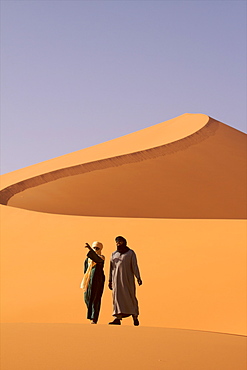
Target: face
{"points": [[96, 249], [120, 243]]}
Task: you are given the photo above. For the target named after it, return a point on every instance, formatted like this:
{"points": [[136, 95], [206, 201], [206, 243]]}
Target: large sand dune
{"points": [[175, 190], [197, 176]]}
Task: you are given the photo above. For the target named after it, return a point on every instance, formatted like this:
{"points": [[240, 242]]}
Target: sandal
{"points": [[115, 322], [136, 322]]}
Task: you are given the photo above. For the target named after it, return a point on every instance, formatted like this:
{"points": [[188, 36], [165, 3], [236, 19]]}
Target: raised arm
{"points": [[95, 257]]}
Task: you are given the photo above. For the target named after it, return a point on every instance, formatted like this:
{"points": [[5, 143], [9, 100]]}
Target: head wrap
{"points": [[97, 244], [118, 238]]}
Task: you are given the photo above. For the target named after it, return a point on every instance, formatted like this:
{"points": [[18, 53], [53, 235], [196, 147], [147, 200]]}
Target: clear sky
{"points": [[78, 73]]}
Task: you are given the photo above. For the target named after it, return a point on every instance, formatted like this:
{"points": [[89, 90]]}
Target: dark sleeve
{"points": [[93, 256]]}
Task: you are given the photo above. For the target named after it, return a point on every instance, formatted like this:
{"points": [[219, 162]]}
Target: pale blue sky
{"points": [[78, 73]]}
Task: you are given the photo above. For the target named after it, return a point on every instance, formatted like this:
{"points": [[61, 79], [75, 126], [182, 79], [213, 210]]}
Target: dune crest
{"points": [[153, 136]]}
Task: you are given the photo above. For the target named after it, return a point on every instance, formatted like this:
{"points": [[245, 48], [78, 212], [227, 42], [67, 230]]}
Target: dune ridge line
{"points": [[170, 148]]}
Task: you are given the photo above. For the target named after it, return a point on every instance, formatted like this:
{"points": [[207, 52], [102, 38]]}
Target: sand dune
{"points": [[74, 346], [173, 180], [176, 191], [154, 136]]}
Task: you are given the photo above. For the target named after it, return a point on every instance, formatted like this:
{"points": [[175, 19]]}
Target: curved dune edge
{"points": [[202, 134], [159, 134], [202, 176], [68, 346]]}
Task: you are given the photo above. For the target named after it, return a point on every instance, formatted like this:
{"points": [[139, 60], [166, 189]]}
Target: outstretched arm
{"points": [[93, 255]]}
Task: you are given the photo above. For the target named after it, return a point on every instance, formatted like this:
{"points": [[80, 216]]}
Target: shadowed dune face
{"points": [[202, 176]]}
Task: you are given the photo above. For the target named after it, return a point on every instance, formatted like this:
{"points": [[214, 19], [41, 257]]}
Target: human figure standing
{"points": [[93, 280], [123, 269]]}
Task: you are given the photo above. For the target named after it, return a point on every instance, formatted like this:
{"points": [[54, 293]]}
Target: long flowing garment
{"points": [[93, 294], [123, 268]]}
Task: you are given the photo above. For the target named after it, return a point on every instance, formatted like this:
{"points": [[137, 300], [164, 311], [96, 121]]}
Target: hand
{"points": [[87, 246], [139, 281], [110, 285]]}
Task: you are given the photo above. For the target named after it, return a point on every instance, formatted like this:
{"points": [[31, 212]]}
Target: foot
{"points": [[93, 322], [136, 322], [115, 322]]}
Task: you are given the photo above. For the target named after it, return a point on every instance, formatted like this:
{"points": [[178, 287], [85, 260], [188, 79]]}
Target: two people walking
{"points": [[123, 270]]}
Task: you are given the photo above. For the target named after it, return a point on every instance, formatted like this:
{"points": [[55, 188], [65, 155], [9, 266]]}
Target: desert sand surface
{"points": [[77, 347], [176, 191]]}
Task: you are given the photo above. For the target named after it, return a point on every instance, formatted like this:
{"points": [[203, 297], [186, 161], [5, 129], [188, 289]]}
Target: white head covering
{"points": [[97, 244]]}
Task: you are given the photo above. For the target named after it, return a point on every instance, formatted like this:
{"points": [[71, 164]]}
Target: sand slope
{"points": [[73, 346], [194, 268], [176, 191]]}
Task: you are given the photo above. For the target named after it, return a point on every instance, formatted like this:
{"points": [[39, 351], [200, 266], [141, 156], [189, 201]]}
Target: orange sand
{"points": [[176, 191], [77, 347]]}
